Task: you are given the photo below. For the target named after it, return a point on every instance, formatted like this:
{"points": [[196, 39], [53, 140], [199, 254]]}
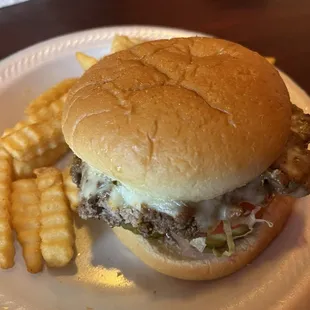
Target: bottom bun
{"points": [[211, 267]]}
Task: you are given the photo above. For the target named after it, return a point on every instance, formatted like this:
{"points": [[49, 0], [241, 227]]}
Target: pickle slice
{"points": [[220, 240], [135, 230]]}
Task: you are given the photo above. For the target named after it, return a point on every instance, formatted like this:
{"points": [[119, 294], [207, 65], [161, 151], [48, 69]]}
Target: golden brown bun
{"points": [[211, 267], [184, 119]]}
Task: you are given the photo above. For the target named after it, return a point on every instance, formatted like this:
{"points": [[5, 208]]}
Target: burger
{"points": [[191, 150]]}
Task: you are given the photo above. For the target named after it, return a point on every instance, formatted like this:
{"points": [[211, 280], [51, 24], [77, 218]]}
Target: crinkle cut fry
{"points": [[24, 169], [7, 250], [26, 221], [57, 233], [52, 94], [71, 189], [17, 126], [53, 110], [85, 61], [34, 139], [121, 43]]}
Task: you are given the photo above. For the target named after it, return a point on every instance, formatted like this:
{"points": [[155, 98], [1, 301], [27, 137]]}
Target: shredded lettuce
{"points": [[229, 238], [243, 235], [230, 234], [251, 219], [199, 243], [218, 253]]}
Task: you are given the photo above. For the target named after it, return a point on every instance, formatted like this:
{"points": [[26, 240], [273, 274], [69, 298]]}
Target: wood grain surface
{"points": [[279, 28]]}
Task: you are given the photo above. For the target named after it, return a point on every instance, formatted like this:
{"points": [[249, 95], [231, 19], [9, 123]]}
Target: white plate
{"points": [[105, 275]]}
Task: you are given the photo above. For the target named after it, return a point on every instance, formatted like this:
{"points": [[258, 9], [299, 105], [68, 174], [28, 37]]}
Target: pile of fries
{"points": [[36, 199], [33, 199]]}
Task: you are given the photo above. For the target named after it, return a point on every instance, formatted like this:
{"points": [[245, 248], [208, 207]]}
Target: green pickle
{"points": [[215, 241], [135, 230], [219, 240], [131, 228], [240, 230]]}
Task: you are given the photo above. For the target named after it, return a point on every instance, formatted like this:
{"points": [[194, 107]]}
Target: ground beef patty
{"points": [[289, 173], [147, 222], [76, 170]]}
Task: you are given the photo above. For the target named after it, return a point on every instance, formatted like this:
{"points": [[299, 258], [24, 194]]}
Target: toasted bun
{"points": [[211, 267], [183, 119]]}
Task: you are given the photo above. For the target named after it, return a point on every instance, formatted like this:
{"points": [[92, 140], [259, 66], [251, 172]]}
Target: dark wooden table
{"points": [[279, 28]]}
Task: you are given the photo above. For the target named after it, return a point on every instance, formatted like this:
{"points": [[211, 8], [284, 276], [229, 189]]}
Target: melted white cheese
{"points": [[208, 213], [90, 180], [123, 196]]}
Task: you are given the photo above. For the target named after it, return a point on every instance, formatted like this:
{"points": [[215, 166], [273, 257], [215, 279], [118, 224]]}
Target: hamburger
{"points": [[191, 150]]}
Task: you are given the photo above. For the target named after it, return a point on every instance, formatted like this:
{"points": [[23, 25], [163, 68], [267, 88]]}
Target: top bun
{"points": [[183, 119]]}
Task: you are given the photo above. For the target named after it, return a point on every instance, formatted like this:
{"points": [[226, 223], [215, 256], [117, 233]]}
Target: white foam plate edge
{"points": [[286, 295]]}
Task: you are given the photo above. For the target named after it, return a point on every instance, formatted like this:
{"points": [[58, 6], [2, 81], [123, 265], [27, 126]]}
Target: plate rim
{"points": [[32, 56]]}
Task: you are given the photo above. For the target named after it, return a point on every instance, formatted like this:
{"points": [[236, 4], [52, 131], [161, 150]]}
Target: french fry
{"points": [[48, 112], [26, 221], [85, 61], [17, 127], [71, 189], [63, 98], [52, 94], [120, 43], [33, 140], [57, 233], [271, 60], [7, 250], [24, 169]]}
